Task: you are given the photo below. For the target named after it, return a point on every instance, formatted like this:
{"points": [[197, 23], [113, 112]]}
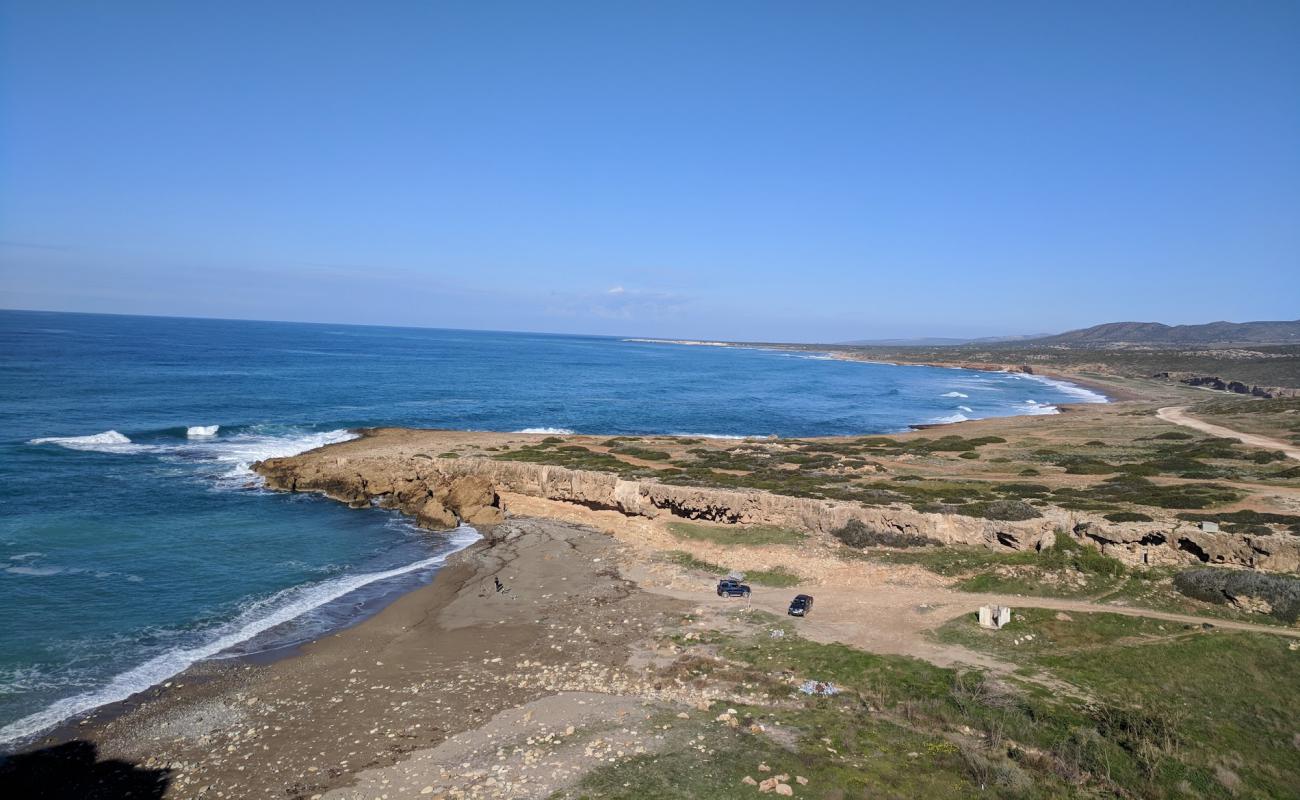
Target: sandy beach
{"points": [[597, 649], [441, 660]]}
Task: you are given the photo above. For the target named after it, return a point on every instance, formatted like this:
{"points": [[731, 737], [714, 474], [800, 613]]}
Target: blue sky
{"points": [[752, 170]]}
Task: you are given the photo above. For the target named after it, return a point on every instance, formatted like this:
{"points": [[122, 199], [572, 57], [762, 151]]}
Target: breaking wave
{"points": [[552, 431], [198, 431], [234, 455], [954, 394], [259, 617], [951, 418], [1084, 395], [106, 442]]}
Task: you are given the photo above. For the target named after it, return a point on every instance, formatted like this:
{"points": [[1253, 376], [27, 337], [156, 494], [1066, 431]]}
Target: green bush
{"points": [[855, 533], [1010, 510], [1067, 553], [1128, 516], [1247, 521], [1282, 592], [642, 453]]}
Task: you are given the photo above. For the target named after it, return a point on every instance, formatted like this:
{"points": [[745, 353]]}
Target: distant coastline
{"points": [[1107, 391]]}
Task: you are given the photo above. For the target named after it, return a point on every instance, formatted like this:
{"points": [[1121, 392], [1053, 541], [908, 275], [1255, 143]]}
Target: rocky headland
{"points": [[393, 467]]}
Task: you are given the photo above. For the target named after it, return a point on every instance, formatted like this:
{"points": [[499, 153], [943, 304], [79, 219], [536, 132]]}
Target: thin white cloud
{"points": [[618, 302]]}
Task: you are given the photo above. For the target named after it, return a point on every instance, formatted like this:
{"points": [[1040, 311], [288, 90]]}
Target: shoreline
{"points": [[455, 643], [115, 707], [404, 580], [429, 692], [1109, 391]]}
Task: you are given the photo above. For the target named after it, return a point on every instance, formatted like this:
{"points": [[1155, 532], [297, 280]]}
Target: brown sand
{"points": [[440, 660]]}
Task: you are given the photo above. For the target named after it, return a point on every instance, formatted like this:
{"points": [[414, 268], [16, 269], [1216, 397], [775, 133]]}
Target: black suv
{"points": [[801, 605], [730, 587]]}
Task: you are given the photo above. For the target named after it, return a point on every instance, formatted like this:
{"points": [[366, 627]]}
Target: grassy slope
{"points": [[1152, 716], [1230, 700]]}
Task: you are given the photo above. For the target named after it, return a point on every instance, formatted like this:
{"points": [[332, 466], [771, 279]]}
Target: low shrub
{"points": [[1068, 554], [1281, 592], [1247, 521], [643, 453], [1128, 516], [855, 533], [1010, 510]]}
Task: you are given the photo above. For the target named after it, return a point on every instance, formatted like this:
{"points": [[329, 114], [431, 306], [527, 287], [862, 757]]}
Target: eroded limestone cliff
{"points": [[439, 491]]}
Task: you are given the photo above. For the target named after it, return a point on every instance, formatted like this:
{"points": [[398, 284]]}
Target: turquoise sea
{"points": [[134, 540]]}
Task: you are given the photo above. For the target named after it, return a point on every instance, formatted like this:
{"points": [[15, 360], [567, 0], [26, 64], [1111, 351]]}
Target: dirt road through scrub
{"points": [[1178, 416]]}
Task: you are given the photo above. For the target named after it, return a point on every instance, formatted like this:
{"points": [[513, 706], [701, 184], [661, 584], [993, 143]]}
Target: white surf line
{"points": [[292, 603], [1178, 416]]}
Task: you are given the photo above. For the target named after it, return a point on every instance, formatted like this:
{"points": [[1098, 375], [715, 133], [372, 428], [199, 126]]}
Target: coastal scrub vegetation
{"points": [[751, 535], [1155, 736], [1092, 711], [1279, 594], [855, 533], [1126, 477], [1066, 569], [777, 577], [1248, 521]]}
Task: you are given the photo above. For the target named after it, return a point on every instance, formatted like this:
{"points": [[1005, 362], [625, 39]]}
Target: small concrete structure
{"points": [[1209, 527], [994, 617]]}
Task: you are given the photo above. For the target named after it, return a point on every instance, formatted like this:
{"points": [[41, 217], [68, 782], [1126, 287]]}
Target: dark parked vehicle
{"points": [[730, 587], [801, 605]]}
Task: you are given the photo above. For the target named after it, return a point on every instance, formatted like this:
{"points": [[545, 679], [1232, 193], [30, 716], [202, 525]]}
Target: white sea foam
{"points": [[243, 449], [235, 453], [949, 419], [967, 409], [199, 431], [1034, 407], [260, 617], [106, 442], [711, 436], [552, 431], [954, 394], [1084, 395], [36, 572]]}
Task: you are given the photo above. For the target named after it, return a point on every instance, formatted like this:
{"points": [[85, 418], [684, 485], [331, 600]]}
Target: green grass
{"points": [[1067, 569], [778, 577], [573, 457], [874, 759], [685, 560], [642, 453], [1157, 710], [1230, 698], [736, 534]]}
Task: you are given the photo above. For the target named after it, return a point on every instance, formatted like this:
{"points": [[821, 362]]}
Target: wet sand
{"points": [[443, 659]]}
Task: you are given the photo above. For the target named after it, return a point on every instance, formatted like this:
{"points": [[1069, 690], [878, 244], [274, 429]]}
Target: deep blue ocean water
{"points": [[129, 548]]}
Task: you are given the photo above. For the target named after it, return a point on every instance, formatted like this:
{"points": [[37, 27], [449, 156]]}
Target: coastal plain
{"points": [[605, 665]]}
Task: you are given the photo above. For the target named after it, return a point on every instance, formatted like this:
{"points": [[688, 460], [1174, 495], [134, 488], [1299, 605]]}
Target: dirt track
{"points": [[1178, 416]]}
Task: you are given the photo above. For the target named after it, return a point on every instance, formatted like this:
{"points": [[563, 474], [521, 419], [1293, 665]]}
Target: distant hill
{"points": [[938, 341], [1211, 334]]}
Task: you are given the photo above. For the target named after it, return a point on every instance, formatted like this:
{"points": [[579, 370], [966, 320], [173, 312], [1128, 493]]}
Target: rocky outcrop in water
{"points": [[438, 491]]}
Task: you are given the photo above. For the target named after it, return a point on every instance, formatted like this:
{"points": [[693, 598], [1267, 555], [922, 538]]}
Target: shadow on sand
{"points": [[73, 770]]}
